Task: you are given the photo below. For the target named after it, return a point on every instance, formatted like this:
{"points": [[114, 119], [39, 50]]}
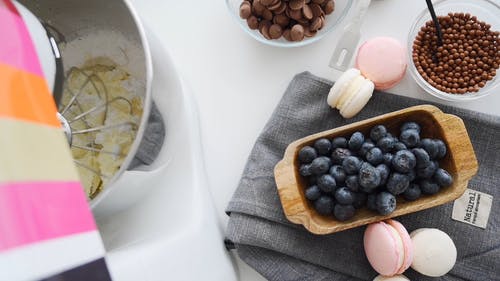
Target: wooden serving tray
{"points": [[460, 161]]}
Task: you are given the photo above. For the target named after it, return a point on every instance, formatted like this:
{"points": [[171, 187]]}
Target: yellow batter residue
{"points": [[101, 83]]}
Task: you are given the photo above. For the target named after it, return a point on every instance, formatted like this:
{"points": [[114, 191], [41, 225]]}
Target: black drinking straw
{"points": [[436, 22], [438, 29]]}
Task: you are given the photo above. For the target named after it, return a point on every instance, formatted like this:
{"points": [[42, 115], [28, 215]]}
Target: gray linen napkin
{"points": [[280, 250]]}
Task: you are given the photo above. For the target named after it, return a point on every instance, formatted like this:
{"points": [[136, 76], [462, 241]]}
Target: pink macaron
{"points": [[388, 247], [383, 61]]}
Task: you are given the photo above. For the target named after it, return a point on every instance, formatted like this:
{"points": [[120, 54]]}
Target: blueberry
{"points": [[323, 146], [351, 165], [442, 177], [326, 183], [324, 205], [431, 147], [344, 196], [313, 192], [388, 158], [378, 132], [375, 156], [352, 183], [307, 154], [356, 141], [365, 147], [397, 183], [404, 161], [369, 177], [305, 170], [412, 193], [422, 157], [371, 201], [339, 154], [386, 144], [359, 200], [338, 174], [384, 173], [428, 171], [412, 175], [429, 187], [410, 138], [343, 212], [386, 203], [320, 165], [441, 149], [339, 142], [399, 146], [410, 126]]}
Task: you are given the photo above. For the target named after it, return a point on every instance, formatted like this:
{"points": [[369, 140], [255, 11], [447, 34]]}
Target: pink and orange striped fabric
{"points": [[41, 199]]}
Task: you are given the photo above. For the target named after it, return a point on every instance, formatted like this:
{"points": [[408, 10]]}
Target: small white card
{"points": [[473, 207]]}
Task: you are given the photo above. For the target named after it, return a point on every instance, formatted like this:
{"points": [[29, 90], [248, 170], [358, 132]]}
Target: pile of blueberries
{"points": [[346, 174]]}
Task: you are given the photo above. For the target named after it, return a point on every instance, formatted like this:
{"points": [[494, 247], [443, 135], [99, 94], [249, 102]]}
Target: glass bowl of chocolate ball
{"points": [[288, 23], [464, 64]]}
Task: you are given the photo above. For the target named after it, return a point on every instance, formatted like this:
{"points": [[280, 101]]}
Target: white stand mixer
{"points": [[159, 222]]}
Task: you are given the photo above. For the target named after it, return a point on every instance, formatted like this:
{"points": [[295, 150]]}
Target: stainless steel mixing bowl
{"points": [[74, 19]]}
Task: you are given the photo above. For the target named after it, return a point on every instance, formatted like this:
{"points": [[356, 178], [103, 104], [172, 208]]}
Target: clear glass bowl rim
{"points": [[287, 44], [423, 83]]}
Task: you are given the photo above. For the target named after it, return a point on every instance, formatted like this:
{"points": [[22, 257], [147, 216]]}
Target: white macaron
{"points": [[350, 93], [435, 253]]}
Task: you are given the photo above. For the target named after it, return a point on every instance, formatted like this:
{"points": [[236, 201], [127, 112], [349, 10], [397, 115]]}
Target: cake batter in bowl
{"points": [[106, 99]]}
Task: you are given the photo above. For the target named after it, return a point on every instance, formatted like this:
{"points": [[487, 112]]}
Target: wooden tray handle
{"points": [[291, 199]]}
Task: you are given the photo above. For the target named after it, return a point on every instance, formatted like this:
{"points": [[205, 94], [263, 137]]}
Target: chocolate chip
{"points": [[316, 10], [322, 22], [316, 24], [307, 12], [257, 7], [308, 32], [282, 20], [297, 32], [329, 7], [281, 9], [267, 15], [245, 9], [287, 35], [264, 26], [296, 4], [295, 14], [253, 22], [275, 6], [275, 31]]}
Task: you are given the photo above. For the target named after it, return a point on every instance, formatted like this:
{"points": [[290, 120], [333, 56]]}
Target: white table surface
{"points": [[238, 81]]}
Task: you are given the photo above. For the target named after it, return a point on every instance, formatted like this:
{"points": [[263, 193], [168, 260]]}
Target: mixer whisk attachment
{"points": [[85, 111]]}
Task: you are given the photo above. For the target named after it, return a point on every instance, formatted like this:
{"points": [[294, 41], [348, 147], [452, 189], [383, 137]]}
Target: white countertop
{"points": [[238, 81]]}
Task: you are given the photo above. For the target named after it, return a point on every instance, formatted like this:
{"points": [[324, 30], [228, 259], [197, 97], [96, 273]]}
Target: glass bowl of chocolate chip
{"points": [[465, 64], [288, 23]]}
